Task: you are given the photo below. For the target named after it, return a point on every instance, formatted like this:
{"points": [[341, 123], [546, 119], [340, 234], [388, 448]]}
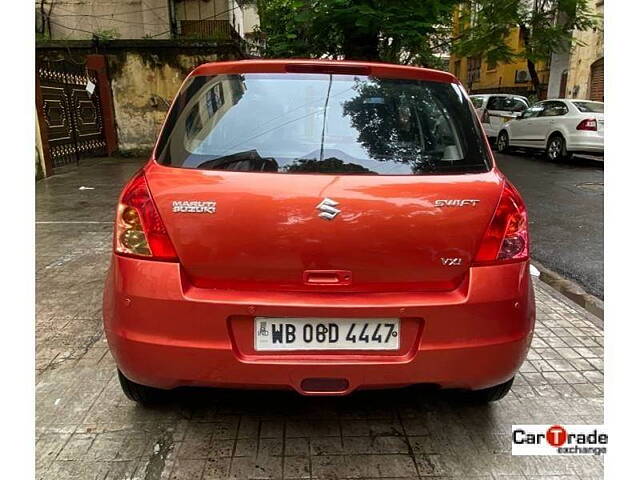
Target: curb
{"points": [[571, 290], [593, 158]]}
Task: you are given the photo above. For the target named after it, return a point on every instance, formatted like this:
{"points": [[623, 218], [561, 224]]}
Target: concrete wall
{"points": [[129, 19], [198, 10], [142, 92], [589, 48], [80, 19], [251, 18]]}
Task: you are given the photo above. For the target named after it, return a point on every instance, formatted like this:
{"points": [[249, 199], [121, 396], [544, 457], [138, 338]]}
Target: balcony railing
{"points": [[210, 29]]}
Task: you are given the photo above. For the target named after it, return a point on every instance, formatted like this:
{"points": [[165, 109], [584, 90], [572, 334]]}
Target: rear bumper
{"points": [[589, 142], [165, 333]]}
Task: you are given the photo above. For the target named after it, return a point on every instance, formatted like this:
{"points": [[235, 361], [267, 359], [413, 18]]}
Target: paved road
{"points": [[566, 209]]}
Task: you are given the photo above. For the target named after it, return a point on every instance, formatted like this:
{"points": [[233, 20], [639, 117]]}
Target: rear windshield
{"points": [[590, 107], [321, 123]]}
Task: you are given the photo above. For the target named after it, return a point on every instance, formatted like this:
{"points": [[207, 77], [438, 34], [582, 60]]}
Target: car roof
{"points": [[509, 95], [378, 69], [582, 100], [570, 100]]}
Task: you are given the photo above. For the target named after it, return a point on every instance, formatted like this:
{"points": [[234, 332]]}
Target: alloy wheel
{"points": [[555, 148], [502, 142]]}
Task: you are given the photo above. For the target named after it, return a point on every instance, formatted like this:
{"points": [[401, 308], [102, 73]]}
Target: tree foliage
{"points": [[546, 27], [401, 31]]}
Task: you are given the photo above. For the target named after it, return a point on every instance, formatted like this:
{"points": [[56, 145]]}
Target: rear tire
{"points": [[141, 393], [491, 394], [557, 149], [502, 142]]}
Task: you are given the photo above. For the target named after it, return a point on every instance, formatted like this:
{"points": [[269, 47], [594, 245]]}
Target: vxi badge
{"points": [[558, 440]]}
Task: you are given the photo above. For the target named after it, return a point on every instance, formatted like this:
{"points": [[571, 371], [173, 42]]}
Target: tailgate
{"points": [[273, 231]]}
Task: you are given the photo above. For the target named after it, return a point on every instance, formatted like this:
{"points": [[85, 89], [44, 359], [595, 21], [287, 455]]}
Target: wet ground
{"points": [[566, 214], [87, 429]]}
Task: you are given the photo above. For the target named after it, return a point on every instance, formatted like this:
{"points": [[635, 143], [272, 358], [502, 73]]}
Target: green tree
{"points": [[546, 27], [401, 31]]}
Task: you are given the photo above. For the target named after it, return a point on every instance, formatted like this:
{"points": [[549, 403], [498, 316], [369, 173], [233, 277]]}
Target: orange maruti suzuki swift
{"points": [[320, 226]]}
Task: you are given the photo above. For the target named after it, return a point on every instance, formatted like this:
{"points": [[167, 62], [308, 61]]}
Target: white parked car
{"points": [[560, 127], [497, 108]]}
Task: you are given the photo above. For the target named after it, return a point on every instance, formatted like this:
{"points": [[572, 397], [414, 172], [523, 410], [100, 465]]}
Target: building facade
{"points": [[149, 19], [480, 76], [579, 72]]}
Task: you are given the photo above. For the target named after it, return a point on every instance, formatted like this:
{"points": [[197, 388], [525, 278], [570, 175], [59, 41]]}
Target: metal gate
{"points": [[72, 115]]}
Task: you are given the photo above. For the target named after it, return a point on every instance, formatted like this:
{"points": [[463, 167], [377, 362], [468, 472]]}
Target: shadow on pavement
{"points": [[417, 398]]}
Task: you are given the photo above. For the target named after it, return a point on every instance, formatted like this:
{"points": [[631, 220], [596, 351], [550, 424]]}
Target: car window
{"points": [[322, 123], [495, 103], [554, 109], [590, 107], [477, 101], [506, 104], [514, 105], [532, 112]]}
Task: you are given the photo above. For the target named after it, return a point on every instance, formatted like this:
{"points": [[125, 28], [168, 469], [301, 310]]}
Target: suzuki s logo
{"points": [[328, 209]]}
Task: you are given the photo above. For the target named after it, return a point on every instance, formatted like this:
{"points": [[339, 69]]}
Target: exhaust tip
{"points": [[324, 385]]}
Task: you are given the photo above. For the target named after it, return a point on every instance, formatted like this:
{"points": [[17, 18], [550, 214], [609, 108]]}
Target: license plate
{"points": [[326, 334]]}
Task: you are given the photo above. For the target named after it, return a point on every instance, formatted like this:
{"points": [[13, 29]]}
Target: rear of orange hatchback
{"points": [[324, 227]]}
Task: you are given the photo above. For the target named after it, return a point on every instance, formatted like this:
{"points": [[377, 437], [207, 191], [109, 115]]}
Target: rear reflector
{"points": [[139, 231], [328, 69], [507, 237], [590, 124], [324, 384]]}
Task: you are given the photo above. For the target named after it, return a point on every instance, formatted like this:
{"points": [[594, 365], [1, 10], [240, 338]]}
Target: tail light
{"points": [[485, 117], [588, 124], [139, 230], [507, 237]]}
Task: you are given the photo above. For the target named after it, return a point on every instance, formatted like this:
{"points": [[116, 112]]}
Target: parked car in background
{"points": [[322, 227], [560, 127], [496, 109]]}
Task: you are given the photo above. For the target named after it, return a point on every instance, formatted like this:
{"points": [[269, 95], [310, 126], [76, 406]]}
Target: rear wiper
{"points": [[256, 162]]}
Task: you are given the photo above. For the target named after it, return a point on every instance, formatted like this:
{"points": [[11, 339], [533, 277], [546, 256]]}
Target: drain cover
{"points": [[597, 187]]}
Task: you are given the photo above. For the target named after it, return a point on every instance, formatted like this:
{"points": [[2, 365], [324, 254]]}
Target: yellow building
{"points": [[585, 69], [478, 76]]}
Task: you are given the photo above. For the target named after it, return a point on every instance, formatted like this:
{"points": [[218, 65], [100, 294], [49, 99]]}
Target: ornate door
{"points": [[72, 115]]}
